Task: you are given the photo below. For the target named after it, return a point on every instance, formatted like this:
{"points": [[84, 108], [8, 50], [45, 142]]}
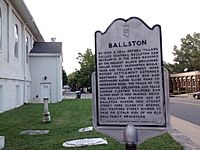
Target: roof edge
{"points": [[25, 14]]}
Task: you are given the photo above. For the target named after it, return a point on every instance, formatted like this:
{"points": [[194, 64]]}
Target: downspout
{"points": [[57, 75], [60, 78], [56, 78]]}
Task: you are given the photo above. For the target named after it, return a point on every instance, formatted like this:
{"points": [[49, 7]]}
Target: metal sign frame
{"points": [[116, 130]]}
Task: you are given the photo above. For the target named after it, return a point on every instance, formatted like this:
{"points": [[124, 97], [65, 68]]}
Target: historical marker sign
{"points": [[129, 76]]}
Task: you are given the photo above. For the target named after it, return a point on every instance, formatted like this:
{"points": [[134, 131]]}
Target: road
{"points": [[186, 108], [72, 95]]}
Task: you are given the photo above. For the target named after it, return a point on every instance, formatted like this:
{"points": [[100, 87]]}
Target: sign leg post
{"points": [[130, 137], [131, 147]]}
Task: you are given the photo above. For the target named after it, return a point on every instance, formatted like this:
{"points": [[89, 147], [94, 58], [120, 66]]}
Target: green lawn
{"points": [[67, 117]]}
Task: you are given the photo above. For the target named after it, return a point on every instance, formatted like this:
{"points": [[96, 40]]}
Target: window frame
{"points": [[27, 48], [16, 41]]}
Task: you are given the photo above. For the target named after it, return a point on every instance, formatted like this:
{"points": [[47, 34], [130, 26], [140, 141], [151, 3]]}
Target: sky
{"points": [[74, 22]]}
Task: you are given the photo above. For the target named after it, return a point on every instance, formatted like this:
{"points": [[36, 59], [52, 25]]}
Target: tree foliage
{"points": [[87, 64], [72, 80], [64, 78], [82, 78], [188, 56], [169, 67]]}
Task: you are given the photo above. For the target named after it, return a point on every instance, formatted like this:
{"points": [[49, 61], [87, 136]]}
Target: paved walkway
{"points": [[186, 133]]}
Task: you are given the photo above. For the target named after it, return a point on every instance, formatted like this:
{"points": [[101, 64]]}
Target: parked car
{"points": [[196, 95]]}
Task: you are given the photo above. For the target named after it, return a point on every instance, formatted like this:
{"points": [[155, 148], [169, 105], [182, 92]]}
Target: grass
{"points": [[67, 117]]}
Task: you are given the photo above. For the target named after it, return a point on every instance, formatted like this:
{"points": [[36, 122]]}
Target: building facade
{"points": [[46, 71], [187, 81], [18, 33]]}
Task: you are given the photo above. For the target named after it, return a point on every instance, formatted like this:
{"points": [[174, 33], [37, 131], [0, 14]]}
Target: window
{"points": [[184, 83], [16, 46], [0, 30], [193, 82], [27, 49]]}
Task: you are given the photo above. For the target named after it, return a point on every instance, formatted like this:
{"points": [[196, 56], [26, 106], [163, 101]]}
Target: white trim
{"points": [[185, 74], [22, 12]]}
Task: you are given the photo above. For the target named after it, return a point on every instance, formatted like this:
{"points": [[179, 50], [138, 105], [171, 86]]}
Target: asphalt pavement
{"points": [[185, 132], [72, 95]]}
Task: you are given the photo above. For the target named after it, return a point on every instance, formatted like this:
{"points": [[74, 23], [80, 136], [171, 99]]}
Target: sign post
{"points": [[128, 86], [130, 136], [46, 113]]}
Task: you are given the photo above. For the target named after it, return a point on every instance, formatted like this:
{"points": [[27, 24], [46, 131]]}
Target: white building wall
{"points": [[27, 74], [1, 98], [59, 78], [27, 63], [12, 94], [48, 66], [3, 52], [14, 72], [16, 63]]}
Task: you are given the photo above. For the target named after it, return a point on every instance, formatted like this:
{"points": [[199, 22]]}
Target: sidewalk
{"points": [[186, 133]]}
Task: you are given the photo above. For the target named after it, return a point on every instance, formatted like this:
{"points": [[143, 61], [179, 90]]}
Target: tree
{"points": [[169, 67], [72, 80], [87, 67], [188, 56], [64, 77], [82, 78], [173, 68]]}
